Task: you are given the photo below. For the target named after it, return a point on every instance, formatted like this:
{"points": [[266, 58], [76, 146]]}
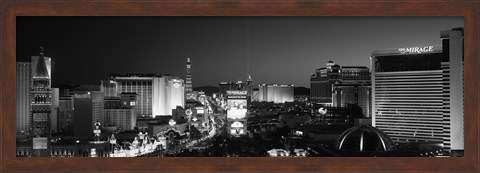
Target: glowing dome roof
{"points": [[364, 139]]}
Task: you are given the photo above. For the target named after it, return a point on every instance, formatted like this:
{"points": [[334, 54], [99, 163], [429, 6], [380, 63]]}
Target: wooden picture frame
{"points": [[470, 10]]}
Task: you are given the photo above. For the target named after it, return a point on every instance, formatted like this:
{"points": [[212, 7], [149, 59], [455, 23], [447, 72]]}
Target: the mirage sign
{"points": [[424, 49]]}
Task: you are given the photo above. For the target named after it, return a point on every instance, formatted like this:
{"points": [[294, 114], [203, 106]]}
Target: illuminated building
{"points": [[24, 81], [142, 85], [275, 93], [168, 93], [156, 95], [55, 109], [452, 69], [225, 86], [407, 94], [88, 107], [418, 92], [345, 95], [188, 80], [97, 106], [120, 112], [109, 87], [239, 85], [41, 101], [321, 83], [65, 115]]}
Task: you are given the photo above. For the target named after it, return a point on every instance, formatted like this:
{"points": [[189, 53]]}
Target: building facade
{"points": [[97, 106], [155, 95], [55, 109], [142, 85], [23, 84], [41, 101], [225, 86], [407, 94], [123, 119], [65, 115], [275, 93], [453, 90], [239, 85], [418, 92], [188, 80], [168, 93], [88, 108], [120, 111], [322, 82], [109, 88], [345, 95]]}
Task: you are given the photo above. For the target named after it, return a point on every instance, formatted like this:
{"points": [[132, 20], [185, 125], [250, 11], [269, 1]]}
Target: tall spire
{"points": [[41, 69]]}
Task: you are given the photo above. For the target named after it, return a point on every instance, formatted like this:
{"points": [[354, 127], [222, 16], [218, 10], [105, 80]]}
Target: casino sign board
{"points": [[237, 111]]}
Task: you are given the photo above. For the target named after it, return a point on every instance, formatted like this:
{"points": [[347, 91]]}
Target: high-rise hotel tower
{"points": [[418, 92], [188, 80], [157, 95], [41, 101], [322, 82], [24, 81]]}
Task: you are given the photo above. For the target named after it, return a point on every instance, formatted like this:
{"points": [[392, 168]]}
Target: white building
{"points": [[417, 92], [275, 93], [123, 119], [168, 93], [156, 95], [23, 84]]}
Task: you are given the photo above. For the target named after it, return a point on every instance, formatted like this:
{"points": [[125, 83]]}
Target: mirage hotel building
{"points": [[418, 93]]}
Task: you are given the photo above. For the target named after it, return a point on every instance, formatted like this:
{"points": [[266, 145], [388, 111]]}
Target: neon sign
{"points": [[237, 92], [416, 49]]}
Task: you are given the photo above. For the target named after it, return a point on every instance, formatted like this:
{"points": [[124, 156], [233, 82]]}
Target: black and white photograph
{"points": [[211, 86]]}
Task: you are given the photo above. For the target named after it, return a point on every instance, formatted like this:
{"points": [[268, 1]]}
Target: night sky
{"points": [[283, 50]]}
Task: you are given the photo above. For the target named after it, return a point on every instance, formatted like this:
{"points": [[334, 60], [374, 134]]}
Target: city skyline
{"points": [[284, 50], [406, 101]]}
